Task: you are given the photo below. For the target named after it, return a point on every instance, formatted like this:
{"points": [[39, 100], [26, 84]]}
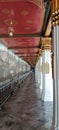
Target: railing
{"points": [[8, 87]]}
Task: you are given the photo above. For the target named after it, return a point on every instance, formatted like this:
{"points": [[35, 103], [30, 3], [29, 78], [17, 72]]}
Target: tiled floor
{"points": [[25, 111]]}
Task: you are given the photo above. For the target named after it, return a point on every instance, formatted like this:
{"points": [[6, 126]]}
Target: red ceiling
{"points": [[24, 17], [21, 42]]}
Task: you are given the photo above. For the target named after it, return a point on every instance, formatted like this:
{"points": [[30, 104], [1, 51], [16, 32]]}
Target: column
{"points": [[55, 25], [47, 82], [40, 70], [37, 73], [43, 76]]}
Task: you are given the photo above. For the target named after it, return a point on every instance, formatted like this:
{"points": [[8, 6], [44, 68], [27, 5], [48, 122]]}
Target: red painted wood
{"points": [[24, 17]]}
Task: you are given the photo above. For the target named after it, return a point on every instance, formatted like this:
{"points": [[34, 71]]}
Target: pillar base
{"points": [[56, 128]]}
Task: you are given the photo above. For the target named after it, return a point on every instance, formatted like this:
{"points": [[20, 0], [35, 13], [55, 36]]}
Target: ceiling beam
{"points": [[27, 53], [27, 56], [22, 47], [20, 35], [46, 17], [32, 58], [30, 53]]}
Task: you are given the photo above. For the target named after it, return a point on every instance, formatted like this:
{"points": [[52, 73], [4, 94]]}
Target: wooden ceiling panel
{"points": [[21, 42], [23, 18], [20, 16]]}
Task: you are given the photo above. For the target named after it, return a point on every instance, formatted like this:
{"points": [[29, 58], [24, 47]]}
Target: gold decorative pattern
{"points": [[5, 11], [27, 28], [55, 12], [10, 22], [39, 3], [24, 13], [39, 54], [29, 21], [46, 43], [55, 18]]}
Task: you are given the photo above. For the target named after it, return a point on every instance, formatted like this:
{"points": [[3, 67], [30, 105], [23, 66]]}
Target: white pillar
{"points": [[55, 24], [37, 73], [47, 82], [43, 76], [38, 78], [56, 78], [47, 93], [40, 69]]}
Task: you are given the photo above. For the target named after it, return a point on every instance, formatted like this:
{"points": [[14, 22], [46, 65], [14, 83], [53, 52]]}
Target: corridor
{"points": [[24, 110]]}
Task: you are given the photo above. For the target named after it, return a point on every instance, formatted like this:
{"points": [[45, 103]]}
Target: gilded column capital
{"points": [[40, 52], [46, 43], [55, 12]]}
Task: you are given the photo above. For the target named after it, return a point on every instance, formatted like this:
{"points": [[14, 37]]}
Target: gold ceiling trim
{"points": [[39, 3], [55, 12], [55, 6], [48, 30], [55, 18]]}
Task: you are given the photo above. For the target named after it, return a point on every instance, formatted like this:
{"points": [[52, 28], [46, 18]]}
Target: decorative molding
{"points": [[55, 12], [39, 54], [55, 6], [39, 3], [24, 13], [46, 43], [11, 22], [55, 18]]}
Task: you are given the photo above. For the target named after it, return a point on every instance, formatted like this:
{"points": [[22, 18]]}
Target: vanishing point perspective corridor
{"points": [[25, 110], [29, 64]]}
